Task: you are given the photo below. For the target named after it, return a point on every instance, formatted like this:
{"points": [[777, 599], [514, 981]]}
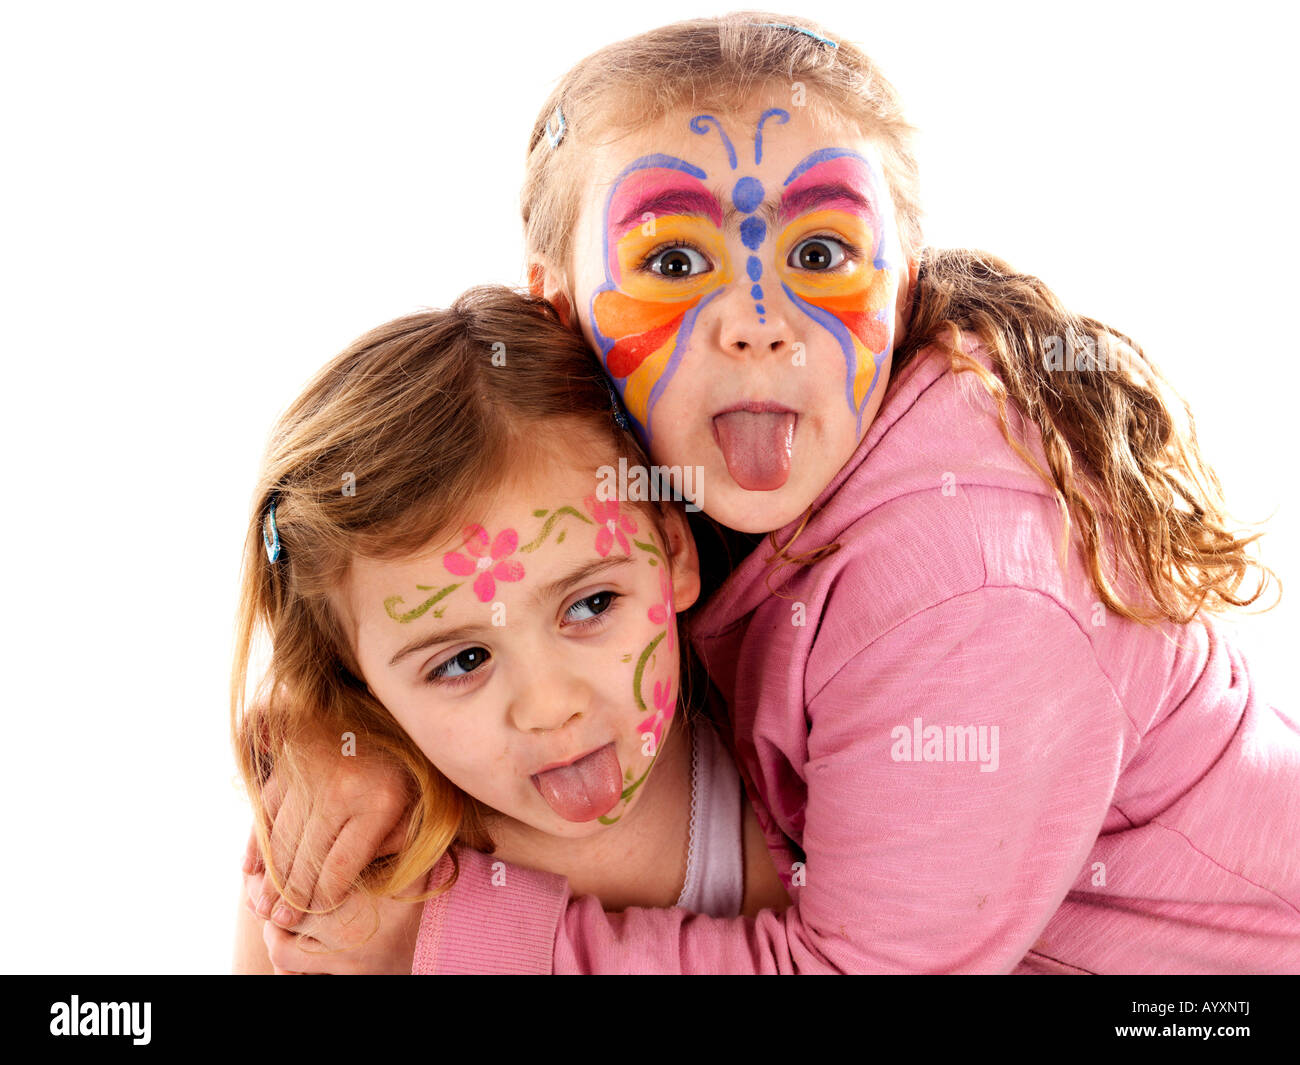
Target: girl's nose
{"points": [[553, 696], [746, 333]]}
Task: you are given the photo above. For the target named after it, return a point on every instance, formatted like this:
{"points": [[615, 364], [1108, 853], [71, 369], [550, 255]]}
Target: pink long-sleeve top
{"points": [[961, 761]]}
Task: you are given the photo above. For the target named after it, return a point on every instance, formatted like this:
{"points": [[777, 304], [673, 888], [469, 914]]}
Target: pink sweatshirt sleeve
{"points": [[929, 865]]}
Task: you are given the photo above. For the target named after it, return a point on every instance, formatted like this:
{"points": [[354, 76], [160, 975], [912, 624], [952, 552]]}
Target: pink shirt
{"points": [[981, 770]]}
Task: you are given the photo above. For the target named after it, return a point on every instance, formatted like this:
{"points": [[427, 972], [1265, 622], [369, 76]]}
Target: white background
{"points": [[203, 202]]}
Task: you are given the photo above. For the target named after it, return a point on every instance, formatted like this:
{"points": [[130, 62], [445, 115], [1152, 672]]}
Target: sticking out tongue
{"points": [[756, 446], [584, 789]]}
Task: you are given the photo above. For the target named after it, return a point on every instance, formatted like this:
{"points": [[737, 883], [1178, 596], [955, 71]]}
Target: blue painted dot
{"points": [[754, 268], [752, 232], [760, 309], [747, 194], [757, 292]]}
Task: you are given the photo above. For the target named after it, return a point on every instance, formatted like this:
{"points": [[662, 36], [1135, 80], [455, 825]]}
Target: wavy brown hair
{"points": [[423, 421], [1122, 456]]}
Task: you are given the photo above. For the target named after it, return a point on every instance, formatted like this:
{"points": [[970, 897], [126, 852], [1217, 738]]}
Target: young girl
{"points": [[443, 579], [975, 688]]}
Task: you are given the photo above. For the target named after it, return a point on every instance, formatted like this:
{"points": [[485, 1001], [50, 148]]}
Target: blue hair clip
{"points": [[557, 134], [617, 408], [272, 542], [798, 29]]}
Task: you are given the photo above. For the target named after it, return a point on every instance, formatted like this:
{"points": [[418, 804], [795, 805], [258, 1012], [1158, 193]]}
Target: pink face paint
{"points": [[665, 704], [642, 327], [614, 525], [662, 613], [645, 196], [643, 320], [488, 562], [836, 183], [838, 194]]}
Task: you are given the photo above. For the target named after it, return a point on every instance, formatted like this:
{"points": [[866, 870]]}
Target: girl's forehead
{"points": [[756, 136], [541, 504], [521, 551]]}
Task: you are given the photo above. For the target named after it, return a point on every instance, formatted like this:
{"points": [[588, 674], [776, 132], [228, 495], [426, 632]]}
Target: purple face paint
{"points": [[747, 196]]}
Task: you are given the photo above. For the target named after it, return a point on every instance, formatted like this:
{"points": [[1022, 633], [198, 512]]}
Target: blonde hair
{"points": [[1123, 458], [713, 63], [427, 423]]}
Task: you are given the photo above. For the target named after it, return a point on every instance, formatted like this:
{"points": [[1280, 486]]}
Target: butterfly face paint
{"points": [[739, 277], [837, 191], [645, 312]]}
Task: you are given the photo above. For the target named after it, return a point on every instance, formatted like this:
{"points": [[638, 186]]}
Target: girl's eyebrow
{"points": [[438, 636], [546, 591], [828, 194], [590, 569], [701, 204], [660, 202]]}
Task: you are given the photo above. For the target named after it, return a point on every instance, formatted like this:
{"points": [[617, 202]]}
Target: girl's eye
{"points": [[460, 665], [678, 262], [590, 607], [817, 253]]}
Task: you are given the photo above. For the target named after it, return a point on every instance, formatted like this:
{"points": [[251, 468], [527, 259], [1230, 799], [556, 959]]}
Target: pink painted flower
{"points": [[484, 561], [664, 706], [612, 524], [662, 613]]}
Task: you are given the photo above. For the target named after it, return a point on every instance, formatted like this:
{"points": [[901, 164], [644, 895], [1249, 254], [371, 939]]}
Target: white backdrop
{"points": [[203, 202]]}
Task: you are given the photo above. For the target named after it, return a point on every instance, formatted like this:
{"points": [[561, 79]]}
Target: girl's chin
{"points": [[549, 824], [577, 829], [541, 821], [757, 512]]}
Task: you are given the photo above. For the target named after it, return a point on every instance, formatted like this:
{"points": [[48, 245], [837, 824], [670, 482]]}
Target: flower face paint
{"points": [[739, 277], [533, 656]]}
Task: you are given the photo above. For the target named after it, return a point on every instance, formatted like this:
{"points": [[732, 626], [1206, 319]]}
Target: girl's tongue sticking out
{"points": [[756, 445], [585, 789]]}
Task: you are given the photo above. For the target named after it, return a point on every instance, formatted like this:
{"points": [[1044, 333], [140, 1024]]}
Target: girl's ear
{"points": [[549, 284], [684, 560]]}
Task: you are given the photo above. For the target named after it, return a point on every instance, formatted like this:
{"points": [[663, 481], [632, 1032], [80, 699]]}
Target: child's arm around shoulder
{"points": [[926, 851], [321, 841]]}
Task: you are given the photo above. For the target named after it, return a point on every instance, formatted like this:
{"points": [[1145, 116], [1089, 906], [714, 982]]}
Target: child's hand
{"points": [[359, 816], [364, 935]]}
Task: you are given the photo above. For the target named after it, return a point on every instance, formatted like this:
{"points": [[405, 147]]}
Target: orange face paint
{"points": [[659, 207], [643, 319], [838, 192]]}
